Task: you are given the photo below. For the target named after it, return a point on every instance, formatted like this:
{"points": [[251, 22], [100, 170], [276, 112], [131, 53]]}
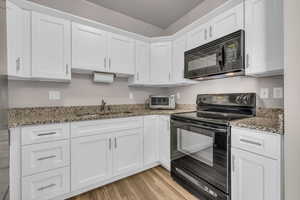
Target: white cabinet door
{"points": [[228, 22], [161, 62], [127, 155], [197, 37], [254, 177], [164, 141], [121, 54], [18, 38], [142, 62], [151, 146], [91, 160], [264, 36], [179, 47], [51, 47], [89, 48]]}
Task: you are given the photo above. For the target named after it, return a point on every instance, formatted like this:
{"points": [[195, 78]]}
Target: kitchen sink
{"points": [[88, 115]]}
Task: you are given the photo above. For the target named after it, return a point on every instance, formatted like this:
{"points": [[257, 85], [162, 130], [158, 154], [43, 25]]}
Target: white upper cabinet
{"points": [[121, 54], [18, 41], [254, 177], [227, 22], [142, 62], [51, 47], [179, 47], [197, 37], [264, 37], [161, 62], [89, 48]]}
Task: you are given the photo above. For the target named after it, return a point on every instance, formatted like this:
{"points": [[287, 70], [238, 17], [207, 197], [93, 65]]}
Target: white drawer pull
{"points": [[45, 134], [251, 142], [46, 157], [46, 187]]}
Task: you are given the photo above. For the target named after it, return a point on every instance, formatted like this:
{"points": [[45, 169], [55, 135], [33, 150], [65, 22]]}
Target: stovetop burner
{"points": [[222, 108]]}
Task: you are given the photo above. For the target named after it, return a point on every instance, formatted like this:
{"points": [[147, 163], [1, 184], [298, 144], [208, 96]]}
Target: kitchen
{"points": [[100, 97]]}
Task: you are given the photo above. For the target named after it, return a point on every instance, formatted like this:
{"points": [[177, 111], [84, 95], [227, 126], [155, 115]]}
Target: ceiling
{"points": [[161, 13]]}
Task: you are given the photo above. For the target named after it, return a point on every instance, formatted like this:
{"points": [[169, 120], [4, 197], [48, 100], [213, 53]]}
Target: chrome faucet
{"points": [[103, 104]]}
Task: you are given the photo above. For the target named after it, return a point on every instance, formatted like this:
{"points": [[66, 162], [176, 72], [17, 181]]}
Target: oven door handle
{"points": [[181, 124]]}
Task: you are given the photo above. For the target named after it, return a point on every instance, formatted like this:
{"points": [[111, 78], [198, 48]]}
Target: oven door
{"points": [[202, 150]]}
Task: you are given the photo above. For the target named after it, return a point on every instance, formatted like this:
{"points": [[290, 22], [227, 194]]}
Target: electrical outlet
{"points": [[54, 95], [178, 95], [264, 93], [278, 93]]}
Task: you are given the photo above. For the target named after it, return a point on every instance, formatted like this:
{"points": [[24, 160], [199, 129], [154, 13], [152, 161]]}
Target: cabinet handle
{"points": [[233, 163], [46, 157], [210, 31], [169, 76], [18, 64], [138, 76], [116, 145], [247, 61], [205, 34], [109, 63], [251, 142], [105, 63], [109, 143], [44, 134], [45, 187], [67, 69]]}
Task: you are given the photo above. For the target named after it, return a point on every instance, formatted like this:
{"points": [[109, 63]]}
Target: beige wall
{"points": [[232, 85], [106, 16], [292, 99], [199, 11], [81, 91]]}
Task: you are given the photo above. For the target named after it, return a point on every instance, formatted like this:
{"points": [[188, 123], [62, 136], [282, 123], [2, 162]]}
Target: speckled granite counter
{"points": [[269, 120], [47, 115]]}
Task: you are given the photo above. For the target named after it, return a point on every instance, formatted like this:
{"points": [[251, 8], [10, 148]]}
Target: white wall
{"points": [[232, 85], [80, 91], [103, 15], [292, 99]]}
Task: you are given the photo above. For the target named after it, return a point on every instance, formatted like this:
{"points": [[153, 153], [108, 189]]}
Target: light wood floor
{"points": [[153, 184]]}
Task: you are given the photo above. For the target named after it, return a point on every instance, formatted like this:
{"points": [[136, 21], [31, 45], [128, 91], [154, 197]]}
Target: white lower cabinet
{"points": [[255, 175], [46, 185], [91, 160], [58, 161], [164, 141], [151, 138], [127, 153]]}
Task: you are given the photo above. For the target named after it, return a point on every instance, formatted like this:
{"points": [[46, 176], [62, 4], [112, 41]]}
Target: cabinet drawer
{"points": [[85, 128], [46, 156], [46, 185], [259, 142], [45, 133]]}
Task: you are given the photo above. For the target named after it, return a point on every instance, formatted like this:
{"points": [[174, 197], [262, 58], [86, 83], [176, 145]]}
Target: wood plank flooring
{"points": [[153, 184]]}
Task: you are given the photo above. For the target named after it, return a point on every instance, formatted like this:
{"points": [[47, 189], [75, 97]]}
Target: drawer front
{"points": [[85, 128], [42, 157], [262, 143], [46, 185], [45, 133]]}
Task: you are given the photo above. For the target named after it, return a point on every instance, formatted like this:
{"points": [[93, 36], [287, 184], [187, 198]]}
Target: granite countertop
{"points": [[48, 115], [268, 120]]}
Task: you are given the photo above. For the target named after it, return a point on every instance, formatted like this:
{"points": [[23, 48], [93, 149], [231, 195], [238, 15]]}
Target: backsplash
{"points": [[80, 91], [187, 94]]}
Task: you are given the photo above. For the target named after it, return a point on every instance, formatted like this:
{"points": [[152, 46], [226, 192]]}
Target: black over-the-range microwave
{"points": [[224, 57]]}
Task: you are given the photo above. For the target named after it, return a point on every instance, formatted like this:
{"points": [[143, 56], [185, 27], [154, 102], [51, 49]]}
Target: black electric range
{"points": [[200, 143]]}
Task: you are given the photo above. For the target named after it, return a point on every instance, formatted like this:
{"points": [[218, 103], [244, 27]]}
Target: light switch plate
{"points": [[264, 93], [278, 93], [130, 95]]}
